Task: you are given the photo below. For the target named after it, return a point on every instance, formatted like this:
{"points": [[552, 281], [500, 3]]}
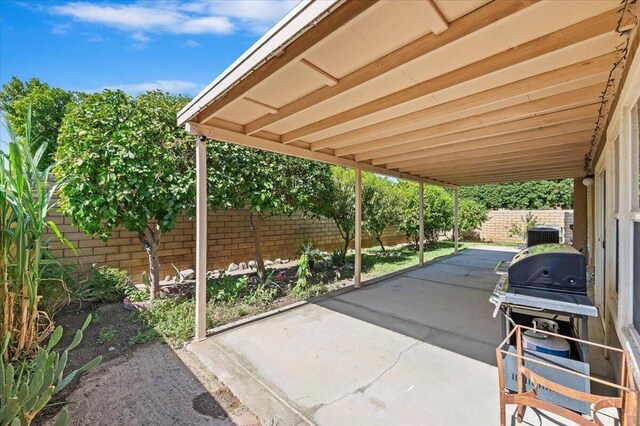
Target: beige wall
{"points": [[499, 224], [229, 240]]}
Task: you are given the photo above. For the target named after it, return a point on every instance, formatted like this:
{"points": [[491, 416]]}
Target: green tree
{"points": [[380, 205], [438, 211], [47, 105], [336, 201], [471, 216], [266, 183], [126, 163]]}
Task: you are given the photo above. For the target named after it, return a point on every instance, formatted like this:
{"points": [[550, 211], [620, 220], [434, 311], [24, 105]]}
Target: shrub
{"points": [[438, 211], [380, 206], [304, 272], [172, 317], [522, 195], [226, 288], [471, 217], [529, 220], [26, 390], [106, 285]]}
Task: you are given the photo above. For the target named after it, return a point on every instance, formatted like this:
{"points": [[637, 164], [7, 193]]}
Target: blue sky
{"points": [[177, 46]]}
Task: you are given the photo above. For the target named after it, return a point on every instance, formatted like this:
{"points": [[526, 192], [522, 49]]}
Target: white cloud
{"points": [[179, 17], [171, 86], [59, 29], [190, 43]]}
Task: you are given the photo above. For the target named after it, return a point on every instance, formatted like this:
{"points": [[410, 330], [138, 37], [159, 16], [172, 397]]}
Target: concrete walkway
{"points": [[416, 349]]}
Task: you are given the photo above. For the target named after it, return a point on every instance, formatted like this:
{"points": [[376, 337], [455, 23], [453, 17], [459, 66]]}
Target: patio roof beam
{"points": [[512, 177], [464, 26], [552, 170], [571, 76], [503, 151], [230, 136], [573, 132], [491, 140], [513, 164], [545, 111], [566, 152], [582, 31], [322, 29]]}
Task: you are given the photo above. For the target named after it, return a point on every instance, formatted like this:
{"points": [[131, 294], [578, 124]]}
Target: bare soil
{"points": [[148, 383]]}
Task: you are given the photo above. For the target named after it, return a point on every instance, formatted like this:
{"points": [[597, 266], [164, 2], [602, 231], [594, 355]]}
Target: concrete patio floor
{"points": [[414, 349]]}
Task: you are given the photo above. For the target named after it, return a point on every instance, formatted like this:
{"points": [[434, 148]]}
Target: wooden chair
{"points": [[625, 402]]}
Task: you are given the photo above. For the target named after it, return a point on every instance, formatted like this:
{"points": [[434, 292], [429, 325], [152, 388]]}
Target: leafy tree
{"points": [[336, 201], [380, 205], [47, 106], [438, 211], [126, 163], [266, 183], [471, 216], [522, 195]]}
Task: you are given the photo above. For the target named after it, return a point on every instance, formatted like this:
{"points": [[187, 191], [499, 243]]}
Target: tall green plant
{"points": [[25, 201]]}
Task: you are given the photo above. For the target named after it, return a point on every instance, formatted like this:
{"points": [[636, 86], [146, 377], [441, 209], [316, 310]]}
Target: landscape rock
{"points": [[278, 261], [187, 274], [253, 264], [167, 278], [268, 263], [242, 266], [213, 274], [285, 260], [233, 267]]}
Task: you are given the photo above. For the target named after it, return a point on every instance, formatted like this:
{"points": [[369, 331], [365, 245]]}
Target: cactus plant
{"points": [[25, 389]]}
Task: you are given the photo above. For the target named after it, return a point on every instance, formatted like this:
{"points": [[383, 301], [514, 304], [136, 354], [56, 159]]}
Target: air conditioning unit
{"points": [[543, 234]]}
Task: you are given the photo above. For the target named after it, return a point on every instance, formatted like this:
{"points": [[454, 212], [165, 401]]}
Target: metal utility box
{"points": [[542, 235]]}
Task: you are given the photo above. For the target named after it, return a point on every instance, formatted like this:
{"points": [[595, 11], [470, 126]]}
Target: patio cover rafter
{"points": [[350, 87]]}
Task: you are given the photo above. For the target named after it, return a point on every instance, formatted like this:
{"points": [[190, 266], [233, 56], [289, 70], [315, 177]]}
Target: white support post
{"points": [[201, 237], [455, 221], [357, 267], [421, 218]]}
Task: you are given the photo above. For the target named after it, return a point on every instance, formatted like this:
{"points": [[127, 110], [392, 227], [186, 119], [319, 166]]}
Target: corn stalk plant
{"points": [[25, 201], [25, 389]]}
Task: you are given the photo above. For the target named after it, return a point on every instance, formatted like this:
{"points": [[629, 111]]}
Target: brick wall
{"points": [[499, 224], [229, 240]]}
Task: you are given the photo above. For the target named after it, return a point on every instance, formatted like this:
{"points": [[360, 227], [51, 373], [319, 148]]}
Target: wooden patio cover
{"points": [[437, 91]]}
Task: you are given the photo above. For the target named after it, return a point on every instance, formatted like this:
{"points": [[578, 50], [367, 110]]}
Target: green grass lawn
{"points": [[399, 257]]}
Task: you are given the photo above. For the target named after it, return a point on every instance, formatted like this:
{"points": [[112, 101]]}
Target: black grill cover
{"points": [[543, 234], [557, 267]]}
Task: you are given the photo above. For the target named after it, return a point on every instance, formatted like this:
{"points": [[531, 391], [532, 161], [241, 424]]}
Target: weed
{"points": [[96, 318], [226, 288], [144, 335], [107, 334]]}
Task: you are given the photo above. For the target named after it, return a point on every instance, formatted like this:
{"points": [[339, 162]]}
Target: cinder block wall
{"points": [[500, 221], [229, 240]]}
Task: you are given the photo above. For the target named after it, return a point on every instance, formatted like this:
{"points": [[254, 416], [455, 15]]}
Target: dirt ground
{"points": [[139, 384]]}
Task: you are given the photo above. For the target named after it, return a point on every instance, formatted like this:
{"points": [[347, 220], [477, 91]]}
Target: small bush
{"points": [[105, 285], [174, 318], [472, 215], [226, 288]]}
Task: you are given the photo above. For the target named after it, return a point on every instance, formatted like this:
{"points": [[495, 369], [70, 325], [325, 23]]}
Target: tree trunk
{"points": [[347, 240], [379, 239], [150, 239], [256, 224]]}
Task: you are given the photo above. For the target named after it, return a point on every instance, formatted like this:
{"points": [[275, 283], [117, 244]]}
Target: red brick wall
{"points": [[229, 240]]}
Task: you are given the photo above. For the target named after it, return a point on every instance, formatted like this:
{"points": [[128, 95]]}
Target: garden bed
{"points": [[232, 298]]}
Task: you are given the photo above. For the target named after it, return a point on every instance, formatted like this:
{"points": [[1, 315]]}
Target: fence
{"points": [[229, 240], [500, 222]]}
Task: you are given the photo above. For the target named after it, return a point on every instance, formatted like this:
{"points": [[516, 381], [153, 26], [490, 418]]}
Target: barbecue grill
{"points": [[548, 281]]}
